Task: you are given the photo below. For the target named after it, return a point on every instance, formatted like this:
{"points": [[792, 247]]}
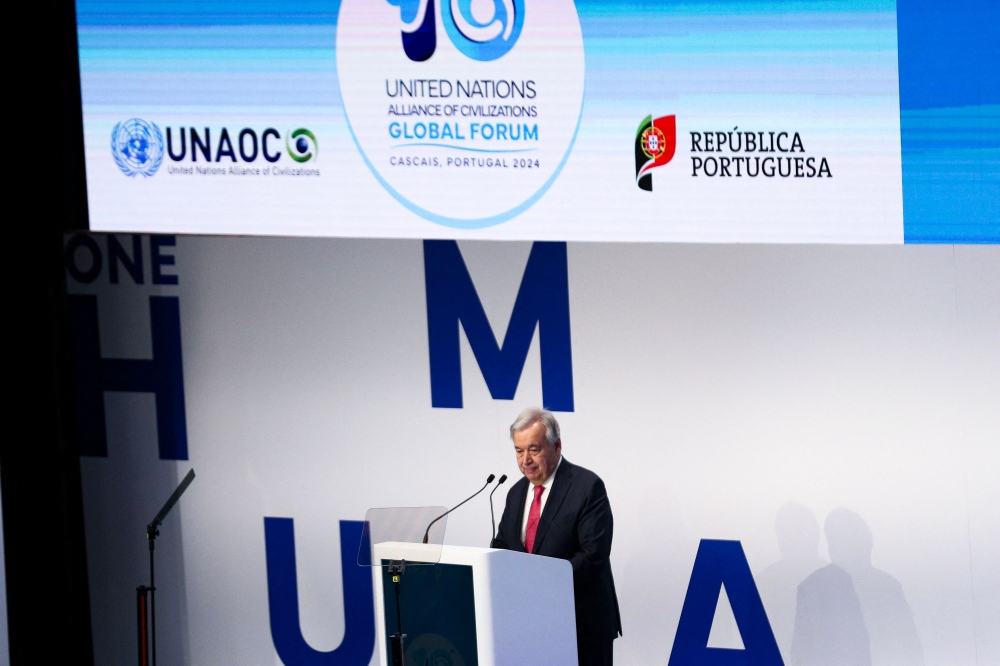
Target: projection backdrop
{"points": [[843, 121], [825, 416], [833, 409]]}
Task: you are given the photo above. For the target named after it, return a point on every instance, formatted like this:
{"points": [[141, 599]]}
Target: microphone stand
{"points": [[398, 567], [493, 521], [153, 531]]}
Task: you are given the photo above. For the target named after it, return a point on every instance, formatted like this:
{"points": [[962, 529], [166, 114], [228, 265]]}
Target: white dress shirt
{"points": [[531, 498]]}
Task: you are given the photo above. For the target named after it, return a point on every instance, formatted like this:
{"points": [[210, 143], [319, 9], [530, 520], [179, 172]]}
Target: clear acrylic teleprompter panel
{"points": [[397, 533]]}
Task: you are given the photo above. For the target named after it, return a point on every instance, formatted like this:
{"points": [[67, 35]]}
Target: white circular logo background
{"points": [[475, 173]]}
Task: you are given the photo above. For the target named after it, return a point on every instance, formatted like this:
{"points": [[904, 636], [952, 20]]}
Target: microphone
{"points": [[489, 480], [492, 519]]}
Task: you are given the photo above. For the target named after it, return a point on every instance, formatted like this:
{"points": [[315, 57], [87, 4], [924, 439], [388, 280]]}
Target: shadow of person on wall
{"points": [[798, 540], [829, 625], [891, 630], [850, 613]]}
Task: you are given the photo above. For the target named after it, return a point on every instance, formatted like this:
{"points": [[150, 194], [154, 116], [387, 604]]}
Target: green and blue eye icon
{"points": [[301, 145]]}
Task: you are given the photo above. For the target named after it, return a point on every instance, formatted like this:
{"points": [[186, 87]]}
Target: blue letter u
{"points": [[283, 599]]}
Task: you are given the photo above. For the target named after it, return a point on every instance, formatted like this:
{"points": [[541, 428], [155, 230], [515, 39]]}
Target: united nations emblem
{"points": [[137, 147], [654, 143]]}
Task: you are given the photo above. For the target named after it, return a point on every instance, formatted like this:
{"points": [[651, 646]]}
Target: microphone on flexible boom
{"points": [[492, 518], [489, 480]]}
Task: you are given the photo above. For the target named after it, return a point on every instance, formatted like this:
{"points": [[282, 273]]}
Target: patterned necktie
{"points": [[533, 516]]}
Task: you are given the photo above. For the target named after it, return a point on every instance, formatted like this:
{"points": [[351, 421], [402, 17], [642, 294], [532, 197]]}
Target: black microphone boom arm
{"points": [[427, 532], [176, 495]]}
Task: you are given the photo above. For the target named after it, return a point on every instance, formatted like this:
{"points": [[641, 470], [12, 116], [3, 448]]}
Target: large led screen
{"points": [[518, 119]]}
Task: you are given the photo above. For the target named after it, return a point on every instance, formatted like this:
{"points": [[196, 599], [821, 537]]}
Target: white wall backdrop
{"points": [[713, 386]]}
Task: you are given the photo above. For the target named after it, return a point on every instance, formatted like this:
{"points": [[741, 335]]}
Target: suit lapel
{"points": [[560, 487]]}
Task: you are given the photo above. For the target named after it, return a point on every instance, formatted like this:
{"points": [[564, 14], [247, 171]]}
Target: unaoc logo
{"points": [[140, 147], [137, 146], [482, 30]]}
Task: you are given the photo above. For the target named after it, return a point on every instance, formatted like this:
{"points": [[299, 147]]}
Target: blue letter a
{"points": [[542, 299], [721, 562], [283, 599]]}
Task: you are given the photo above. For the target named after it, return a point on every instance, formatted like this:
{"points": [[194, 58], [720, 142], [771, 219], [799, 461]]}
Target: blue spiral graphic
{"points": [[486, 36]]}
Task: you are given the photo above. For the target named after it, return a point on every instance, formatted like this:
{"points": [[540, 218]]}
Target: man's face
{"points": [[536, 458]]}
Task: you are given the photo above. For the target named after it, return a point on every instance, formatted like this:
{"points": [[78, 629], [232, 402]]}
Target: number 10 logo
{"points": [[481, 29]]}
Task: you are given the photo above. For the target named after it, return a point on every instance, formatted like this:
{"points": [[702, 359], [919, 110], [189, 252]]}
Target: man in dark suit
{"points": [[561, 510]]}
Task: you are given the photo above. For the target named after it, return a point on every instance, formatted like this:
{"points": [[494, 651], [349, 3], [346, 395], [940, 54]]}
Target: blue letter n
{"points": [[542, 299], [718, 563], [162, 375]]}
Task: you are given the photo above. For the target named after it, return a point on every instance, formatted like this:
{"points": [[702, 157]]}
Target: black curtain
{"points": [[48, 608]]}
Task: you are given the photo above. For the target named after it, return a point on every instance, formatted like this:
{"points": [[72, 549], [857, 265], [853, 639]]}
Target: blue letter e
{"points": [[718, 563]]}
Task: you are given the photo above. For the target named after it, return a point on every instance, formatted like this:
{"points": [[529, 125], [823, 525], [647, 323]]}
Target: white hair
{"points": [[533, 415]]}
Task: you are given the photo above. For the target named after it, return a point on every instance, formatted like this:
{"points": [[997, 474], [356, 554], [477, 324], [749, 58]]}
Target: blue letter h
{"points": [[162, 375]]}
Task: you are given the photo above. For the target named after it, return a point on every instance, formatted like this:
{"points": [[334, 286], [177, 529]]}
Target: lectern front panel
{"points": [[439, 615]]}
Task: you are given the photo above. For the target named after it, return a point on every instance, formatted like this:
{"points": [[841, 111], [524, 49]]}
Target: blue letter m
{"points": [[542, 299], [162, 375]]}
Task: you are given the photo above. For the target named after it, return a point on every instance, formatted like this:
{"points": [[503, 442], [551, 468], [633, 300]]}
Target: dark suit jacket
{"points": [[576, 525]]}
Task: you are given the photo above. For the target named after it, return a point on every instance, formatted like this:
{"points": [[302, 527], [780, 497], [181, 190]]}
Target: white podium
{"points": [[476, 607]]}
